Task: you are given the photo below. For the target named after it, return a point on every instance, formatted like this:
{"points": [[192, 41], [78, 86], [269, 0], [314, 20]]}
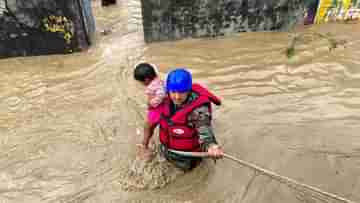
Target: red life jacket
{"points": [[175, 133]]}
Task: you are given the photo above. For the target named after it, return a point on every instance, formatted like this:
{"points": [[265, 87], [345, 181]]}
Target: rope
{"points": [[267, 173]]}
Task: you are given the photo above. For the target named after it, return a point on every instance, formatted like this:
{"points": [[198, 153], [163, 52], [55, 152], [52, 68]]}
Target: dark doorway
{"points": [[108, 2], [311, 10]]}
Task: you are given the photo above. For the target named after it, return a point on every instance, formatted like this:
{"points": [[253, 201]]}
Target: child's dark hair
{"points": [[144, 71]]}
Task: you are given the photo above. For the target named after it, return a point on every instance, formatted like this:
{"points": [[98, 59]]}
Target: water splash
{"points": [[148, 175]]}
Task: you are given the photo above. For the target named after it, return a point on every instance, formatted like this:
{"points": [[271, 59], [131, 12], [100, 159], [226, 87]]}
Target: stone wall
{"points": [[36, 27], [176, 19]]}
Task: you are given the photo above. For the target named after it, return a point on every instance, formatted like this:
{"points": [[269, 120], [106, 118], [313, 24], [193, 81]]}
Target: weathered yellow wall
{"points": [[337, 10]]}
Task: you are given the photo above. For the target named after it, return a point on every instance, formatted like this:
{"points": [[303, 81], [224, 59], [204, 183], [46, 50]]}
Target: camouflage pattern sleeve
{"points": [[200, 118]]}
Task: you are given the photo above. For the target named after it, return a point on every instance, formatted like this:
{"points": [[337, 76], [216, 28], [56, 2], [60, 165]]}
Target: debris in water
{"points": [[105, 31]]}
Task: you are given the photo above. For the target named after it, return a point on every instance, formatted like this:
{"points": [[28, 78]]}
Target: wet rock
{"points": [[36, 27]]}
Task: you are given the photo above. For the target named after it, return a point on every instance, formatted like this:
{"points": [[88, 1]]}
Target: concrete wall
{"points": [[176, 19], [35, 27], [135, 16]]}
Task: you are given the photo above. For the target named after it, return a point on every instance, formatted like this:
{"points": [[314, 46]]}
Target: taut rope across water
{"points": [[269, 173]]}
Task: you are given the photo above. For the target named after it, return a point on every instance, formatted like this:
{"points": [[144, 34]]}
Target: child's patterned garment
{"points": [[155, 92]]}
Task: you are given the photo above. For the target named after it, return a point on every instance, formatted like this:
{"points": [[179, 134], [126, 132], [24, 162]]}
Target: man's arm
{"points": [[144, 152], [201, 119], [148, 133]]}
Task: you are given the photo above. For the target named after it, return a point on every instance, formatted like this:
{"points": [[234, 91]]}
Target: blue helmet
{"points": [[179, 80]]}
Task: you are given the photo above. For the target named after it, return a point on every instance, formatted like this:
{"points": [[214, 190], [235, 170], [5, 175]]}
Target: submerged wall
{"points": [[35, 27], [175, 19]]}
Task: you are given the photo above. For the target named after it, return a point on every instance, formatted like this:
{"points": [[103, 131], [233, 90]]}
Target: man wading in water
{"points": [[185, 122]]}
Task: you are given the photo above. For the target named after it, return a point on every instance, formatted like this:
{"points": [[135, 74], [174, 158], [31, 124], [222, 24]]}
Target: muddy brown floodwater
{"points": [[68, 123]]}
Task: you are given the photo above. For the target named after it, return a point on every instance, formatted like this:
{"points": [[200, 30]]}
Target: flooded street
{"points": [[69, 123]]}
